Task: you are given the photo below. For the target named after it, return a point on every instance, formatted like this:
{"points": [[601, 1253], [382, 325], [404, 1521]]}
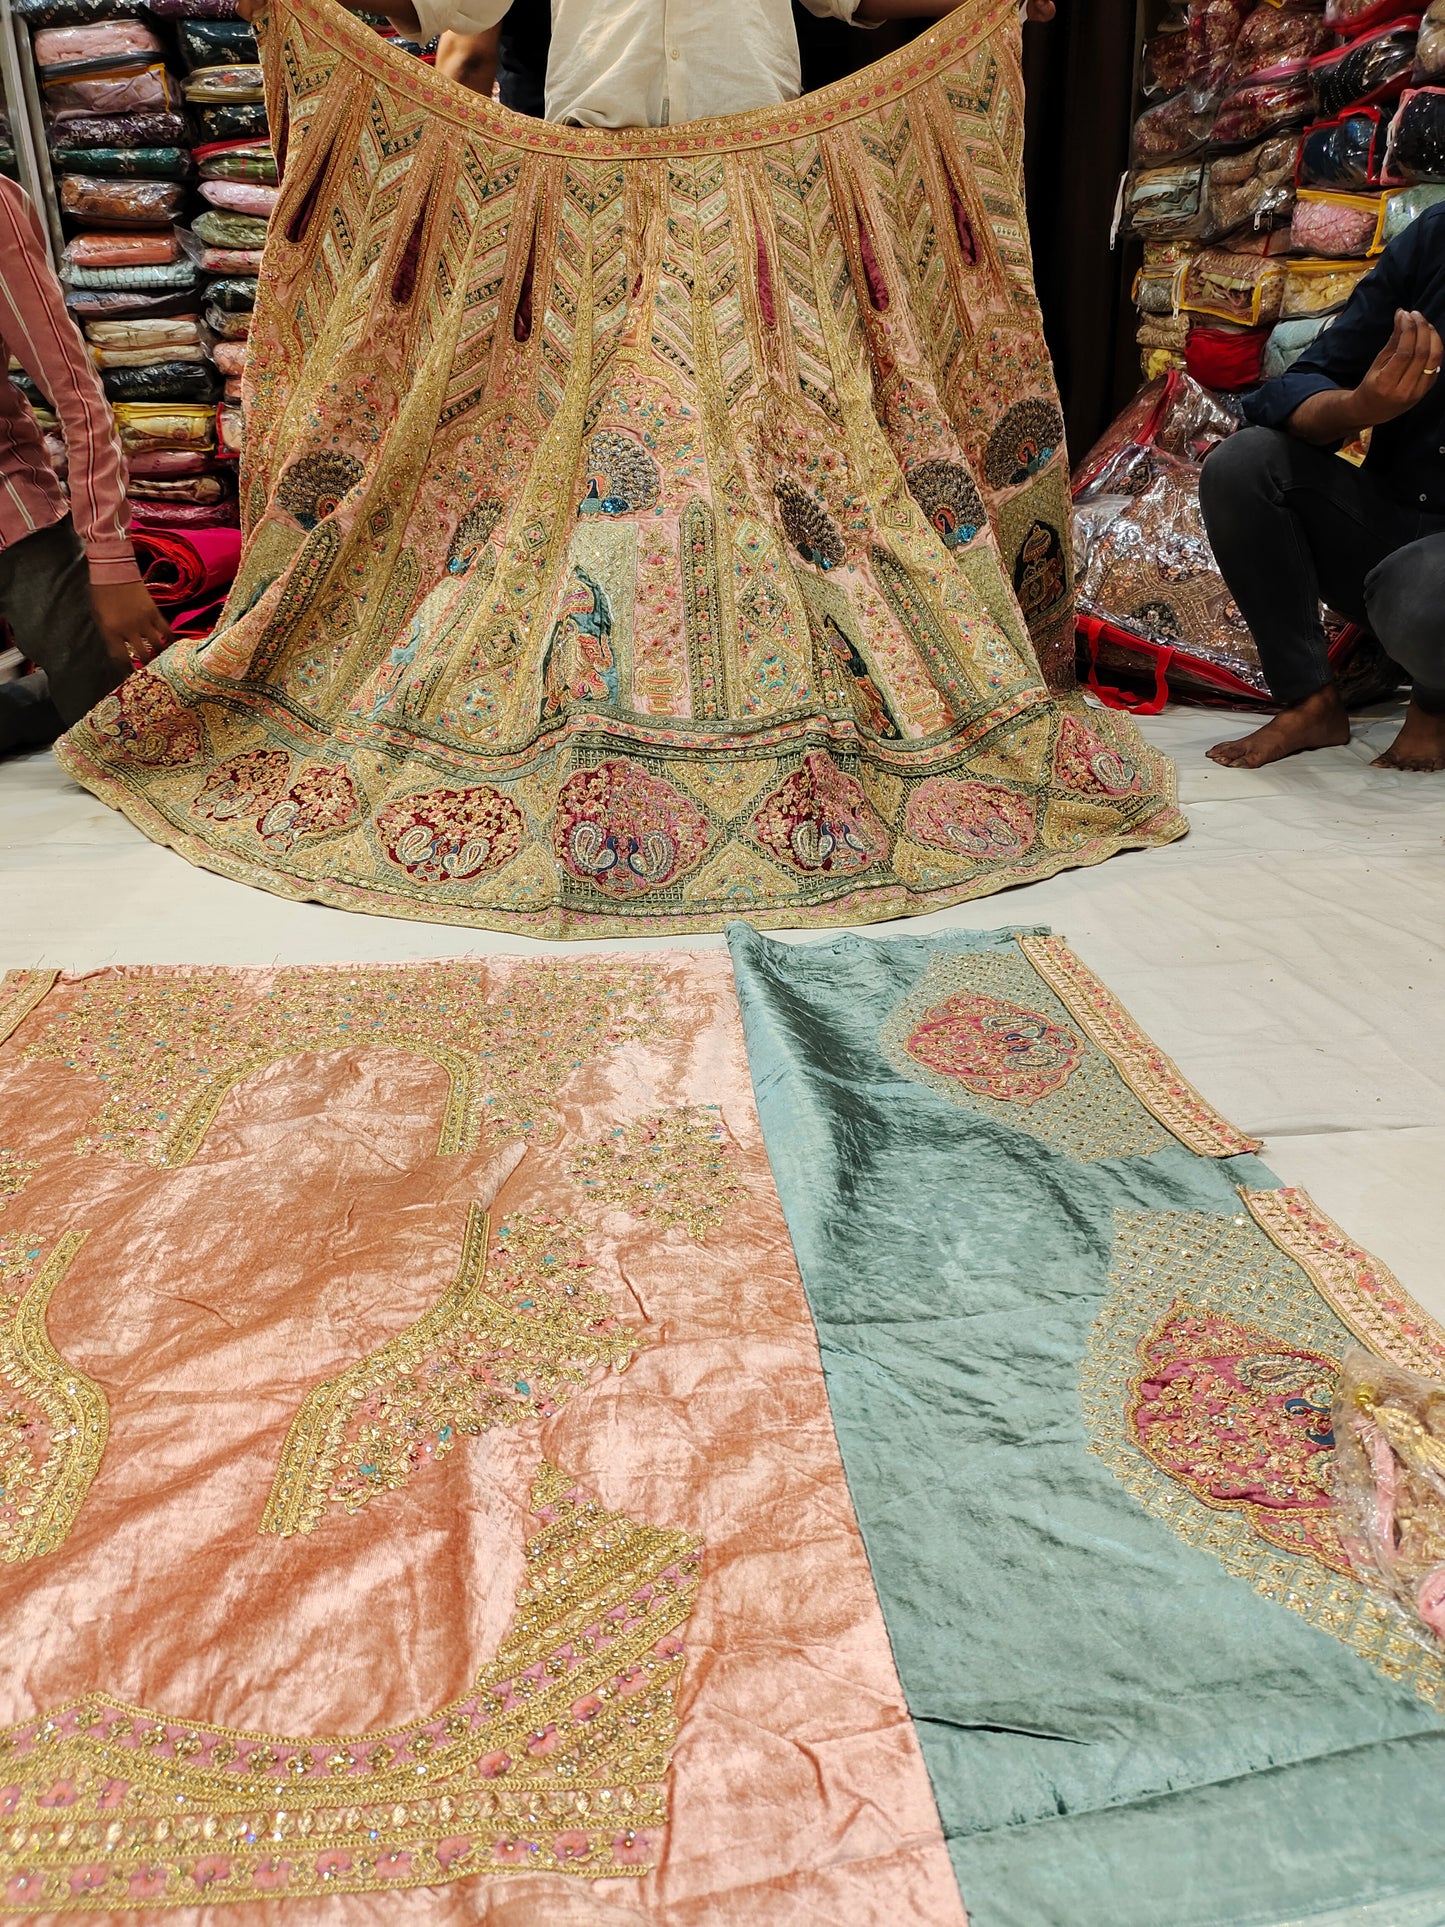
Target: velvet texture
{"points": [[253, 1180], [1120, 1728]]}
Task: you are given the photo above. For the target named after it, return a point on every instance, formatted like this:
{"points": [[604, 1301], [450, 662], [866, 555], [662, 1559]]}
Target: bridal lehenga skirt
{"points": [[643, 528]]}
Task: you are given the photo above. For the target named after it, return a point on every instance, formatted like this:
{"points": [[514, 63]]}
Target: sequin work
{"points": [[983, 1030], [55, 1420], [20, 992], [168, 1049], [678, 1169], [14, 1173], [1216, 1421], [513, 1338], [554, 1760]]}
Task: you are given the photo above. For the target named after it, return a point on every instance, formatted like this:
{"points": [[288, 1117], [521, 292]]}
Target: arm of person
{"points": [[470, 59], [1403, 373], [44, 340]]}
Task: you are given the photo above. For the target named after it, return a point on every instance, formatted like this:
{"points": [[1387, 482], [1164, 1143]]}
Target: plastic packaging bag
{"points": [[1259, 108], [151, 425], [243, 197], [1274, 39], [233, 122], [173, 276], [1407, 205], [1251, 189], [219, 228], [107, 95], [130, 303], [1167, 62], [75, 13], [125, 336], [1319, 287], [1159, 284], [57, 46], [1213, 29], [216, 43], [1369, 69], [1162, 201], [1342, 225], [233, 296], [1346, 152], [180, 488], [1242, 288], [156, 462], [194, 9], [231, 260], [1389, 1486], [104, 202], [124, 163], [1353, 16], [1171, 131], [229, 357], [161, 381], [1288, 341], [147, 357], [229, 429], [121, 251], [1226, 360], [227, 326], [1430, 46], [239, 161], [126, 130], [209, 85], [1417, 135]]}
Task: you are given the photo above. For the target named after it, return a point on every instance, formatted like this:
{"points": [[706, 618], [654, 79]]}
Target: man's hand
{"points": [[131, 626], [251, 10], [1039, 11], [1402, 373]]}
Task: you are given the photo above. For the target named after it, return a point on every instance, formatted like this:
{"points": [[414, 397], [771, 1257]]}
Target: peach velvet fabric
{"points": [[317, 1219]]}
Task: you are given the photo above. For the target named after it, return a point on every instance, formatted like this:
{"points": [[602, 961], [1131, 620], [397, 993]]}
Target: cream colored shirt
{"points": [[653, 63]]}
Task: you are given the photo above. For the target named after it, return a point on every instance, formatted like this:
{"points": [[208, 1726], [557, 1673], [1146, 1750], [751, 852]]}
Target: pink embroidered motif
{"points": [[625, 831], [970, 819], [449, 836], [1083, 762], [996, 1049], [820, 819], [1243, 1422]]}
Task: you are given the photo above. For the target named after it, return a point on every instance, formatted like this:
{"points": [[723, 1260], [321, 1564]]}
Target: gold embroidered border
{"points": [[416, 1390], [1365, 1295], [74, 1406], [1154, 1079], [20, 992], [554, 1761], [1225, 1264]]}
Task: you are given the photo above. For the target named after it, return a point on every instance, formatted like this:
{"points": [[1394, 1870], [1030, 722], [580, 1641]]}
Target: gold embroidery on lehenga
{"points": [[982, 1030], [1207, 1413], [14, 1173], [1365, 1295], [678, 1169], [515, 1335], [169, 1050], [1153, 1078], [55, 1420], [554, 1761], [20, 992]]}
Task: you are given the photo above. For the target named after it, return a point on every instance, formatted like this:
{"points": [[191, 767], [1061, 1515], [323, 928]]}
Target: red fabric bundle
{"points": [[1225, 358], [184, 566]]}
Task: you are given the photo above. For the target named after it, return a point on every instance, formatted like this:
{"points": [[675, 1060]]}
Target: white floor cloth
{"points": [[1287, 954]]}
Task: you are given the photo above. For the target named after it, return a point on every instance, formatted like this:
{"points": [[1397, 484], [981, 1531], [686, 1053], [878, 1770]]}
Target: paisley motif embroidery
{"points": [[979, 820], [1205, 1390], [510, 1341], [677, 1169], [143, 723], [626, 832], [999, 1050], [167, 1048], [555, 1760], [1243, 1421], [1082, 762], [257, 786], [444, 836], [820, 821], [55, 1420]]}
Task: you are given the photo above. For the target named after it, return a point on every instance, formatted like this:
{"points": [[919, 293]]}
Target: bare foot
{"points": [[1419, 745], [1321, 721]]}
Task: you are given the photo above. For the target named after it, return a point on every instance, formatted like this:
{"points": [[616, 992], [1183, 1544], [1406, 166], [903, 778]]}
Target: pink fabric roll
{"points": [[185, 564]]}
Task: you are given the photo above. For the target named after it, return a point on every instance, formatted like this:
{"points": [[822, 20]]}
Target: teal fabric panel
{"points": [[1119, 1731]]}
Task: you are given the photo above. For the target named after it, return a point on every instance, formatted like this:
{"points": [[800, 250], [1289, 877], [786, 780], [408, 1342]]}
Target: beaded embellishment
{"points": [[554, 1761], [514, 1337], [167, 1049], [55, 1420], [1217, 1423], [677, 1169]]}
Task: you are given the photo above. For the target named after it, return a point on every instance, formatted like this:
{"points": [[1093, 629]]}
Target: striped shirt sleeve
{"points": [[36, 329]]}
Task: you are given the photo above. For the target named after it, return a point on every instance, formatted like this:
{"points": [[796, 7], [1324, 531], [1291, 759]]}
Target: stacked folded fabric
{"points": [[164, 177], [1283, 147]]}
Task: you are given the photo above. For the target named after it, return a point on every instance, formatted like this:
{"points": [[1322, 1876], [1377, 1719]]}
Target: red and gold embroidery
{"points": [[54, 1421], [554, 1761], [996, 1049], [516, 1334]]}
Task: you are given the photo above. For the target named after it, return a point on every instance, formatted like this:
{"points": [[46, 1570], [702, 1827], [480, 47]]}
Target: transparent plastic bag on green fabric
{"points": [[1389, 1486], [1408, 205], [124, 163], [221, 227], [216, 43]]}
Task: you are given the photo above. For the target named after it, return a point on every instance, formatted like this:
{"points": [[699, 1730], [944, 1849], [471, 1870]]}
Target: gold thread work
{"points": [[20, 992], [554, 1761]]}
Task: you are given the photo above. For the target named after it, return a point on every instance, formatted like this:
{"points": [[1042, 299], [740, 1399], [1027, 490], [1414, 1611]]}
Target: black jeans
{"points": [[1292, 526], [45, 598]]}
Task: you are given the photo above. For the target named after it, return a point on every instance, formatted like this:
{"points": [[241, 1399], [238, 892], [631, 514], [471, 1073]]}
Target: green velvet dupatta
{"points": [[1080, 1349]]}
